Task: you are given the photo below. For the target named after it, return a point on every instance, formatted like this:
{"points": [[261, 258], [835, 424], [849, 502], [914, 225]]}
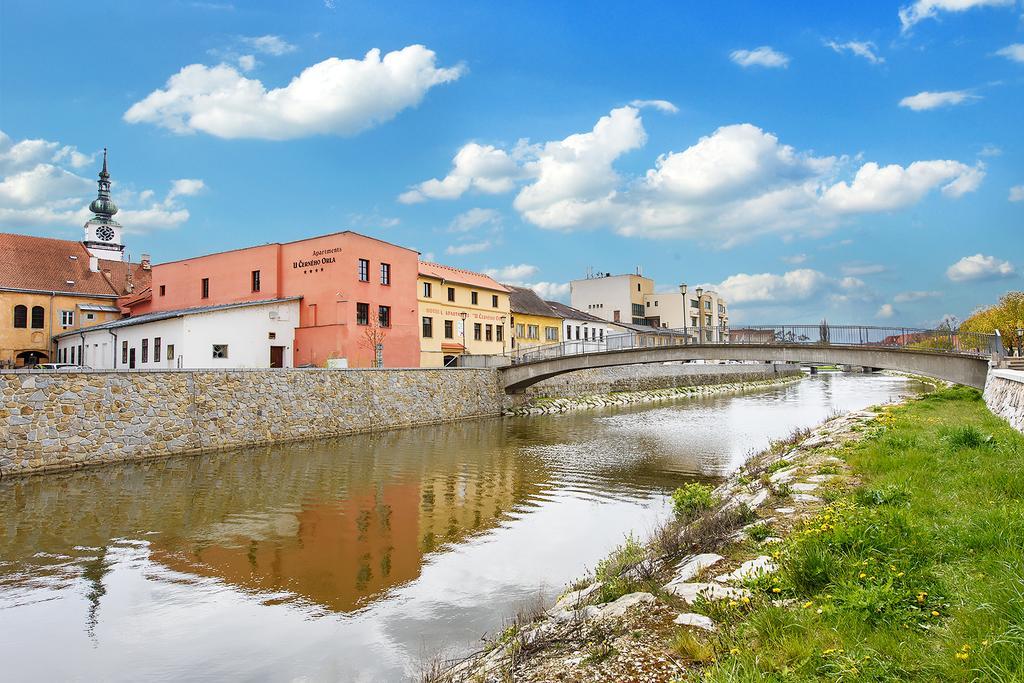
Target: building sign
{"points": [[470, 315], [320, 257]]}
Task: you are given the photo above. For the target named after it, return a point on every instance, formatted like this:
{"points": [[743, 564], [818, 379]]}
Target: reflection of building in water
{"points": [[368, 529]]}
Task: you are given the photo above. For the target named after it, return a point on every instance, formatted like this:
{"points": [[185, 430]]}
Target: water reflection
{"points": [[342, 559]]}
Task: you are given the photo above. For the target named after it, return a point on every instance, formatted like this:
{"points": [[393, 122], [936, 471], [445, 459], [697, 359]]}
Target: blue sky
{"points": [[863, 164]]}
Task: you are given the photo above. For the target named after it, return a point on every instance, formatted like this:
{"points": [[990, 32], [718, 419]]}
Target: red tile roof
{"points": [[465, 277], [49, 265]]}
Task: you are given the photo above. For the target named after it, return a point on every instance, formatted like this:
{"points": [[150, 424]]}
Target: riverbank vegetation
{"points": [[914, 573]]}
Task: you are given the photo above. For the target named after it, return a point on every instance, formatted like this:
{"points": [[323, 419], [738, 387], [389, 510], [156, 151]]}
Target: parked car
{"points": [[62, 367]]}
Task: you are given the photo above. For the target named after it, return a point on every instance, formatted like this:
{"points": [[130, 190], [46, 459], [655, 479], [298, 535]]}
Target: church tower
{"points": [[102, 233]]}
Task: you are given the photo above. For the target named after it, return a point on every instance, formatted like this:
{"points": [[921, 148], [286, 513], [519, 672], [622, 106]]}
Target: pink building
{"points": [[356, 290]]}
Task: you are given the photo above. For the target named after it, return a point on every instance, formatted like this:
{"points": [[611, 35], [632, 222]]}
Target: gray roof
{"points": [[524, 300], [167, 315], [570, 313]]}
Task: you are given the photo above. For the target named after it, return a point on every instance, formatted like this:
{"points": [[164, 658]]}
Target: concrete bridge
{"points": [[943, 354]]}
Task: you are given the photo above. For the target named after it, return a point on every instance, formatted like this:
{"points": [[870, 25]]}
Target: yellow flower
{"points": [[745, 600], [733, 603], [962, 656], [808, 604], [776, 590], [734, 651], [984, 642], [934, 613], [862, 575]]}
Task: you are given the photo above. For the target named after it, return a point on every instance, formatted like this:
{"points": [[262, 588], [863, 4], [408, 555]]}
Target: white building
{"points": [[580, 326], [252, 334], [631, 299]]}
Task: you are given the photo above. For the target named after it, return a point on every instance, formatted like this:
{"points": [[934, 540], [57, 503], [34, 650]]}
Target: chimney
{"points": [[94, 264], [145, 262]]}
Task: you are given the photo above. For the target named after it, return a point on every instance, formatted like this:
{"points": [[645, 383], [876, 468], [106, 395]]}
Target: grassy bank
{"points": [[914, 570]]}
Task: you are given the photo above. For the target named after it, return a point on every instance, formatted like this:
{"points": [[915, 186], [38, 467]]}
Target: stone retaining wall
{"points": [[596, 381], [1004, 396], [54, 421]]}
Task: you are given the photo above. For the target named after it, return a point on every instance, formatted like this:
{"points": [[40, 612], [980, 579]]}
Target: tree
{"points": [[1006, 316], [373, 340]]}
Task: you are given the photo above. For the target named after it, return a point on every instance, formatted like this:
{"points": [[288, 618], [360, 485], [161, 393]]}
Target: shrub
{"points": [[618, 572], [759, 532], [691, 499], [964, 436], [890, 494]]}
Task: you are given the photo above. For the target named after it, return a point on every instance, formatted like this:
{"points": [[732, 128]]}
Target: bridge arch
{"points": [[969, 370]]}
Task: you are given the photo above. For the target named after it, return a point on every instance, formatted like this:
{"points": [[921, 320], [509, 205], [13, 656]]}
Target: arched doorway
{"points": [[30, 359]]}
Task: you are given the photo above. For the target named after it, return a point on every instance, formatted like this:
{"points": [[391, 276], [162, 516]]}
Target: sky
{"points": [[858, 162]]}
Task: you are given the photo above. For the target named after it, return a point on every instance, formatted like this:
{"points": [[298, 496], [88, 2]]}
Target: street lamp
{"points": [[682, 290], [503, 318], [1020, 339], [463, 315]]}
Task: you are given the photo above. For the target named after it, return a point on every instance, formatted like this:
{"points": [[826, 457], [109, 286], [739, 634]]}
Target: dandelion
{"points": [[734, 651], [934, 613], [808, 604], [984, 642], [962, 656], [862, 575], [733, 603], [776, 590], [745, 600]]}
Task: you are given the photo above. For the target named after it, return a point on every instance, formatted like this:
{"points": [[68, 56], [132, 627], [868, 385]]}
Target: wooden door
{"points": [[277, 356]]}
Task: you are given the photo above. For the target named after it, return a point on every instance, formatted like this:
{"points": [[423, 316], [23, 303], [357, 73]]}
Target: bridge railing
{"points": [[942, 340]]}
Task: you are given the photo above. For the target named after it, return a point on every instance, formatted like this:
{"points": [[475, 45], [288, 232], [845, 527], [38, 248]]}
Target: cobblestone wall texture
{"points": [[1004, 395], [54, 421], [656, 376]]}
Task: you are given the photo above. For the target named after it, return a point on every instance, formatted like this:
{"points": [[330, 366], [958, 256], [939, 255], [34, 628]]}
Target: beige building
{"points": [[631, 299], [535, 323], [461, 312]]}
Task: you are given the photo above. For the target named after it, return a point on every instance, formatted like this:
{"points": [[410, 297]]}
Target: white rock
{"points": [[758, 499], [620, 606], [783, 475], [577, 598], [695, 620], [806, 498], [771, 539], [804, 487], [785, 511], [750, 568], [821, 478], [694, 566], [689, 592]]}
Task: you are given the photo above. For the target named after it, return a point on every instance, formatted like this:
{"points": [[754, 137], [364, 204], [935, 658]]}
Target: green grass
{"points": [[917, 575], [692, 499]]}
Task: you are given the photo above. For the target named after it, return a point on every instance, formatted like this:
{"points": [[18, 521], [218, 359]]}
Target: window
{"points": [[451, 294], [88, 316], [124, 352], [170, 351], [693, 320], [38, 317], [473, 298], [520, 330], [494, 300], [602, 334], [384, 316], [449, 329], [655, 304], [145, 351], [427, 290], [271, 335], [206, 288], [568, 331], [362, 314], [499, 333], [385, 273], [648, 304], [364, 270], [73, 355], [638, 311], [489, 333], [707, 305], [220, 350], [707, 320], [638, 286], [428, 327], [21, 316], [67, 318], [721, 308], [533, 331], [477, 331], [255, 280], [163, 290], [156, 349], [578, 332], [615, 316], [694, 303], [551, 333]]}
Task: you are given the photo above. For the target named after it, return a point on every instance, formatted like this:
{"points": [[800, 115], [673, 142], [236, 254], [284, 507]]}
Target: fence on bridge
{"points": [[942, 339]]}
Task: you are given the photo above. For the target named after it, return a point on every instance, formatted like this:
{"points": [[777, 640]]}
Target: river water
{"points": [[356, 558]]}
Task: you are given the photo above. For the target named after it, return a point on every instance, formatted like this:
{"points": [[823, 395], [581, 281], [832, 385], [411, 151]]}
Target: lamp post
{"points": [[463, 315], [503, 318], [682, 290], [1020, 339], [700, 315]]}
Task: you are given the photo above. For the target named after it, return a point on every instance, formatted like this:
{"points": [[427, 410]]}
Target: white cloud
{"points": [[795, 259], [1014, 52], [473, 219], [549, 291], [268, 45], [926, 99], [735, 184], [863, 269], [484, 168], [468, 248], [335, 96], [247, 62], [929, 9], [1017, 193], [892, 187], [575, 183], [861, 48], [918, 295], [660, 105], [761, 56], [512, 273], [990, 151], [885, 311], [979, 267], [38, 188], [796, 285]]}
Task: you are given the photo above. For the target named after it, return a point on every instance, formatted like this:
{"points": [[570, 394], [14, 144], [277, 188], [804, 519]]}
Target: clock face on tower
{"points": [[105, 233]]}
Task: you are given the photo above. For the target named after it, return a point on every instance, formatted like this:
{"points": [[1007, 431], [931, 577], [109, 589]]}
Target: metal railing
{"points": [[941, 340]]}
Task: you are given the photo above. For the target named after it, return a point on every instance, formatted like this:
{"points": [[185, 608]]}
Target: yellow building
{"points": [[49, 286], [461, 312], [534, 323]]}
